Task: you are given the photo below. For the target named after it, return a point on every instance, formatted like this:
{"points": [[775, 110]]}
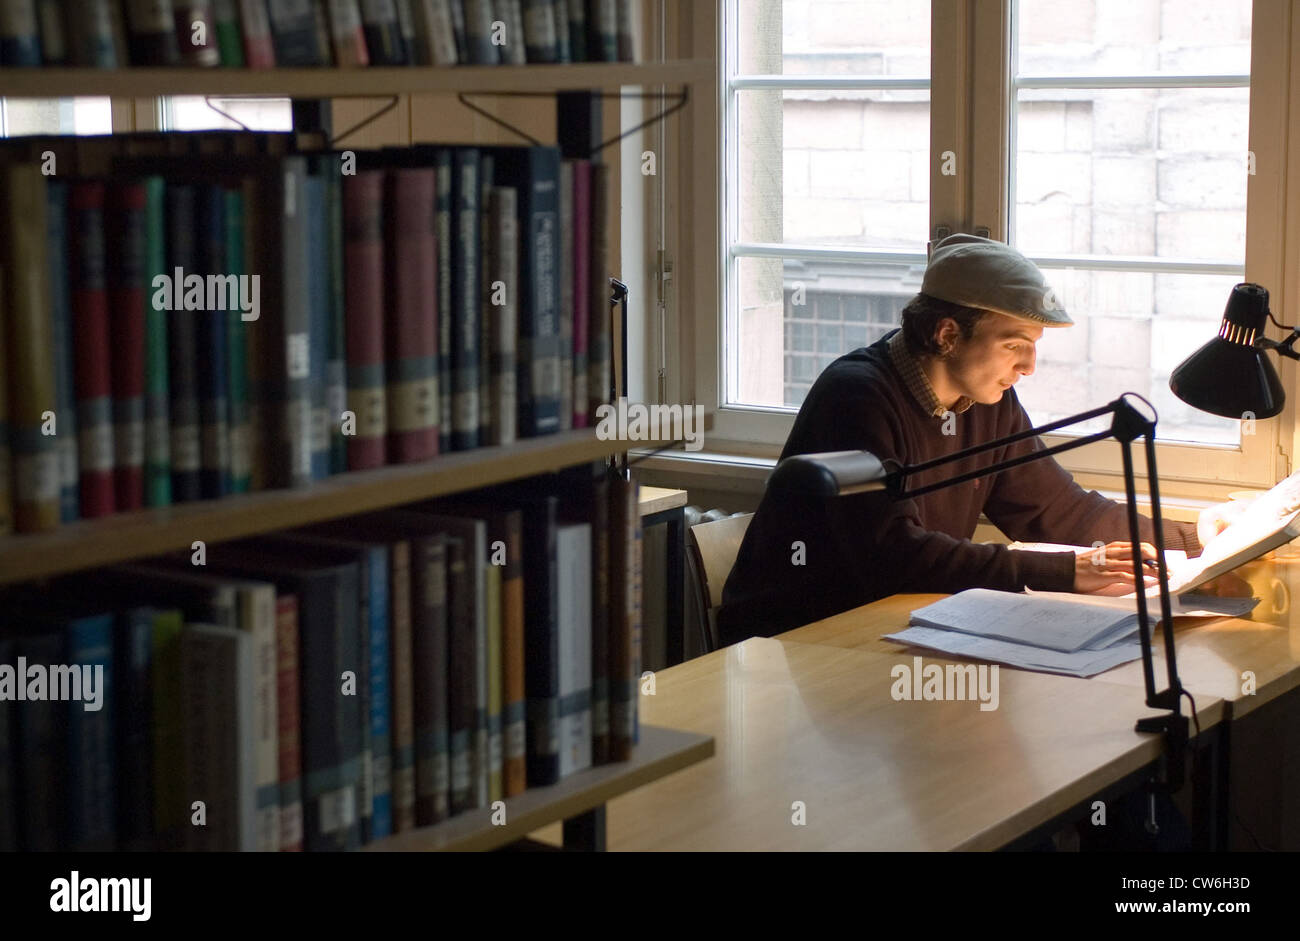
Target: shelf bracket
{"points": [[367, 121]]}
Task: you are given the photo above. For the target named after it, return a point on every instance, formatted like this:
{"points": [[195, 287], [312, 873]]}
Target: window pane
{"points": [[1133, 37], [1135, 171], [1131, 329], [22, 117], [835, 37], [796, 316], [835, 167], [192, 113]]}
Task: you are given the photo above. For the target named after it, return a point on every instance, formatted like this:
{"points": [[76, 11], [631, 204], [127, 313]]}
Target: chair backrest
{"points": [[711, 549]]}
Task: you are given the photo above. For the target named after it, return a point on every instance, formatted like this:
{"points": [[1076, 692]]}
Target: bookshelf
{"points": [[88, 544]]}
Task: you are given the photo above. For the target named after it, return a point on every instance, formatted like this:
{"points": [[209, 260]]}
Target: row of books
{"points": [[323, 688], [267, 33], [246, 316]]}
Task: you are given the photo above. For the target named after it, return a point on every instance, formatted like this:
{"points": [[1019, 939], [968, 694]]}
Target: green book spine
{"points": [[157, 440], [336, 385], [230, 42], [168, 735], [237, 360]]}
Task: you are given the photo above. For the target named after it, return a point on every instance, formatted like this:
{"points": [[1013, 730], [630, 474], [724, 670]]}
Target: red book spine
{"points": [[125, 223], [286, 641], [412, 330], [581, 288], [259, 51], [363, 254], [91, 347]]}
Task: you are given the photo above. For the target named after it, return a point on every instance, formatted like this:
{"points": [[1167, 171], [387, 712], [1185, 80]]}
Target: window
{"points": [[1114, 142], [23, 117], [197, 113]]}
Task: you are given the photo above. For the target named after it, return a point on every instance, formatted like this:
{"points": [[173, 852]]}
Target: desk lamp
{"points": [[838, 473]]}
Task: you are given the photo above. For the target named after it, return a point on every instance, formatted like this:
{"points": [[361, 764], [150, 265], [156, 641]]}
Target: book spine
{"points": [[318, 298], [258, 618], [539, 31], [539, 352], [261, 256], [20, 37], [508, 529], [406, 26], [336, 382], [125, 224], [43, 755], [380, 693], [383, 32], [6, 455], [485, 314], [170, 805], [211, 659], [9, 762], [600, 614], [495, 747], [577, 25], [457, 8], [349, 39], [442, 233], [134, 659], [230, 45], [462, 692], [196, 33], [295, 33], [237, 386], [504, 237], [602, 30], [412, 335], [157, 438], [564, 264], [432, 715], [625, 27], [65, 394], [95, 34], [365, 754], [30, 358], [541, 638], [510, 14], [182, 337], [581, 290], [573, 548], [54, 36], [294, 382], [401, 657], [435, 39], [212, 345], [259, 48], [465, 300], [625, 639], [478, 33], [91, 346], [92, 823], [288, 740], [599, 338], [559, 9], [363, 210]]}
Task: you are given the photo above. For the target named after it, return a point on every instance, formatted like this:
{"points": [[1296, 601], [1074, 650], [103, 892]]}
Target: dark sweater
{"points": [[862, 547]]}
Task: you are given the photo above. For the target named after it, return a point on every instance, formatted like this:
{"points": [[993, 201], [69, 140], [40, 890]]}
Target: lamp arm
{"points": [[1285, 348]]}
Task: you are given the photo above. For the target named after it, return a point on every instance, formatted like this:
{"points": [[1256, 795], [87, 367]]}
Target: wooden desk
{"points": [[817, 724], [662, 505]]}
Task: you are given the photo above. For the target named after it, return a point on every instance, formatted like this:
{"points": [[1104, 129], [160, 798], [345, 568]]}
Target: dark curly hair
{"points": [[922, 315]]}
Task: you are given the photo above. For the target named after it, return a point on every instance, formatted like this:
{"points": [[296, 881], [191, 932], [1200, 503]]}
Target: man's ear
{"points": [[946, 333]]}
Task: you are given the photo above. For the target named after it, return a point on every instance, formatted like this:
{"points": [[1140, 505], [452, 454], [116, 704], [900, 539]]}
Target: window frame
{"points": [[963, 98]]}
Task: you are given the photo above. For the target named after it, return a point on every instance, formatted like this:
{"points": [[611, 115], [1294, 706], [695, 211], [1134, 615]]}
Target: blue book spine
{"points": [[134, 716], [213, 373], [380, 735], [465, 294], [318, 323], [65, 397], [92, 795]]}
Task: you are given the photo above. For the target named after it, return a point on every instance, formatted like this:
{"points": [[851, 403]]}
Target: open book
{"points": [[1272, 520]]}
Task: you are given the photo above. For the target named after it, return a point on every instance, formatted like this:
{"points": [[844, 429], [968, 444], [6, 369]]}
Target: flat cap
{"points": [[979, 272]]}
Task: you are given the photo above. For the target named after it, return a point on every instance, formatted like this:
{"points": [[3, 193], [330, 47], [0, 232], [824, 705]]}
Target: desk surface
{"points": [[817, 724], [1212, 653], [658, 499]]}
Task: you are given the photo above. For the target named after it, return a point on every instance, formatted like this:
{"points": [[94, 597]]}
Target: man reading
{"points": [[941, 383]]}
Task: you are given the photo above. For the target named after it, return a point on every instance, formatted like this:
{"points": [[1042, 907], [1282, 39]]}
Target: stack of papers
{"points": [[1076, 635]]}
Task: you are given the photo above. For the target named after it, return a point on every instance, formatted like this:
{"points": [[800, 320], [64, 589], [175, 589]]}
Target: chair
{"points": [[711, 552]]}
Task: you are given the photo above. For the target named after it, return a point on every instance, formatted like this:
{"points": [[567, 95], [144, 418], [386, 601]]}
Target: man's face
{"points": [[1000, 350]]}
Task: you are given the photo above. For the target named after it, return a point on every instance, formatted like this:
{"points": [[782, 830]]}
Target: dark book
{"points": [[502, 315], [20, 34], [443, 214], [96, 35], [539, 31], [566, 313], [363, 215], [466, 298], [317, 286], [255, 23], [212, 346], [296, 33], [125, 222], [183, 344], [93, 351], [133, 673], [288, 716], [383, 33], [42, 766], [196, 32], [511, 14], [435, 38], [542, 639], [576, 21], [602, 30], [346, 33], [478, 33], [581, 265], [54, 33], [9, 760], [65, 386]]}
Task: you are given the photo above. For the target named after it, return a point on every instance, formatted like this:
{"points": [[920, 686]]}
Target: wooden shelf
{"points": [[344, 82], [124, 536], [660, 752]]}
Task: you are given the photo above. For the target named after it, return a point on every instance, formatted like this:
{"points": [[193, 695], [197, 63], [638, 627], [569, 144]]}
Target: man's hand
{"points": [[1108, 570], [1215, 519]]}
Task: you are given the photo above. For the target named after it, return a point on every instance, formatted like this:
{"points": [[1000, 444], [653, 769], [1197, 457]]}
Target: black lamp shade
{"points": [[1230, 376]]}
